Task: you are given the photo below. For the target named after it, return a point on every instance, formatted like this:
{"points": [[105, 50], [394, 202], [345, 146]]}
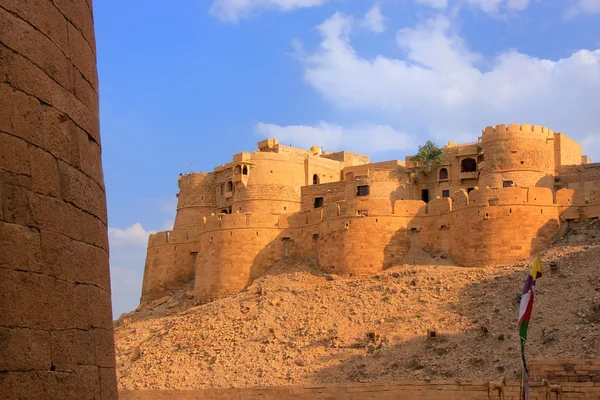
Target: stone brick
{"points": [[81, 190], [23, 349], [44, 16], [104, 348], [22, 74], [84, 90], [13, 179], [55, 215], [74, 261], [90, 156], [70, 348], [82, 56], [101, 315], [23, 38], [21, 115], [16, 205], [14, 156], [59, 129], [44, 175], [70, 105], [20, 247], [108, 384], [80, 15]]}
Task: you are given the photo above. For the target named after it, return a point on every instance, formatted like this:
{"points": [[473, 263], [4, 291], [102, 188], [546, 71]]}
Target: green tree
{"points": [[428, 157]]}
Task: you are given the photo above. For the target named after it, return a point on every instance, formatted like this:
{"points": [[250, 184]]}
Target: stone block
{"points": [[15, 155], [35, 46], [82, 56], [108, 384], [70, 348], [84, 90], [99, 303], [58, 130], [104, 348], [58, 216], [20, 247], [16, 205], [21, 115], [23, 349], [44, 175], [43, 15], [81, 190], [69, 104], [74, 261], [80, 15]]}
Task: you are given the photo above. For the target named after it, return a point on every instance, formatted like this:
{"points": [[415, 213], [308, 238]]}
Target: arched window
{"points": [[245, 170], [315, 179], [468, 165], [229, 186], [443, 174]]}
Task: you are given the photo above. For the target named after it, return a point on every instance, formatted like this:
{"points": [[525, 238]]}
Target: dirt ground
{"points": [[426, 320]]}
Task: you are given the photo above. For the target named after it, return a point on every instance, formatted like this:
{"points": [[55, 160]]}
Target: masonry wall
{"points": [[171, 259], [196, 199], [56, 332], [235, 250], [567, 151]]}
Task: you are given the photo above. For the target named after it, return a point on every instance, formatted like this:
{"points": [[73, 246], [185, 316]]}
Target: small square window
{"points": [[362, 190], [445, 193], [318, 202], [507, 183]]}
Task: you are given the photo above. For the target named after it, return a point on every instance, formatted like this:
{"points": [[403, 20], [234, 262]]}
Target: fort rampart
{"points": [[361, 237]]}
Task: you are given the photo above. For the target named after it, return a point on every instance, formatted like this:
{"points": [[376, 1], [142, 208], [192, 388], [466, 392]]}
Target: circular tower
{"points": [[56, 330], [520, 155]]}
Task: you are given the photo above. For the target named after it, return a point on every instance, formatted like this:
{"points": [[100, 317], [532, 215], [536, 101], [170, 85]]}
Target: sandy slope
{"points": [[297, 325]]}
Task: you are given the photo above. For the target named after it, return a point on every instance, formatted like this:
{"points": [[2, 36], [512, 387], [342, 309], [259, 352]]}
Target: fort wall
{"points": [[56, 328], [579, 379]]}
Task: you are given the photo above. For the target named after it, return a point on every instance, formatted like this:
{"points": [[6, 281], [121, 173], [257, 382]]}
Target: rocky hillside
{"points": [[424, 320]]}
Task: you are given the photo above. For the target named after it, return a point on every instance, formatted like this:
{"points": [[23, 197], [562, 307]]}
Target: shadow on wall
{"points": [[488, 310]]}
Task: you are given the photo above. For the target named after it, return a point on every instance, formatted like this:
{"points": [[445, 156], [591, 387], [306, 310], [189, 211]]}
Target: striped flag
{"points": [[524, 316]]}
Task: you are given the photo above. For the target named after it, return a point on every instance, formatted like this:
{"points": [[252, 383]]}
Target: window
{"points": [[318, 202], [469, 190], [443, 174], [245, 170], [468, 165], [507, 183], [362, 190], [222, 189], [315, 179], [445, 193], [425, 195], [230, 186]]}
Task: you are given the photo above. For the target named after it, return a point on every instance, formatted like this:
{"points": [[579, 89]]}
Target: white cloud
{"points": [[135, 234], [433, 3], [127, 259], [583, 7], [234, 10], [493, 6], [367, 138], [374, 20], [442, 86]]}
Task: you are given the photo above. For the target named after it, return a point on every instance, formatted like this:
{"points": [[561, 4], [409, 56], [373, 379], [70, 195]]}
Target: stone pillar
{"points": [[56, 332]]}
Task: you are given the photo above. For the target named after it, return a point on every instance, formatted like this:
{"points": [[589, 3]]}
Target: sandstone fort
{"points": [[489, 202]]}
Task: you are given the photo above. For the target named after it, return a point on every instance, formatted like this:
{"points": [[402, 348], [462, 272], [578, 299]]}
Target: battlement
{"points": [[516, 129]]}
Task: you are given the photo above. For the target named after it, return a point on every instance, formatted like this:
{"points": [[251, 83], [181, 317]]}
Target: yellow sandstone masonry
{"points": [[56, 329], [489, 202]]}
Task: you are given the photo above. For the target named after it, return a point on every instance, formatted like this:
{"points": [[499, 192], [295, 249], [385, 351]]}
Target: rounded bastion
{"points": [[517, 154]]}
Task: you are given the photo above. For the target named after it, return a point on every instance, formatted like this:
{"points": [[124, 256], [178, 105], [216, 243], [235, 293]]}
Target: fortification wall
{"points": [[235, 250], [196, 200], [170, 263], [521, 153], [566, 151], [273, 198], [579, 379], [56, 330]]}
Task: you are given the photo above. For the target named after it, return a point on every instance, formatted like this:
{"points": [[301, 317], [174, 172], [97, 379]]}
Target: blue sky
{"points": [[184, 85]]}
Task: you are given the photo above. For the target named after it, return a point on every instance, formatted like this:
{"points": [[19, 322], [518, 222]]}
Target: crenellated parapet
{"points": [[524, 130]]}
